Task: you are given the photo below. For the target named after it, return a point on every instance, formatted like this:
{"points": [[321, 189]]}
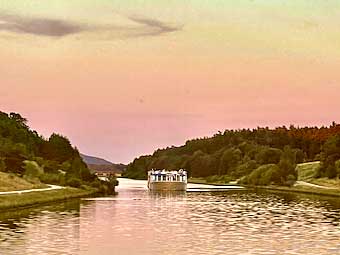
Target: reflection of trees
{"points": [[11, 218], [34, 227]]}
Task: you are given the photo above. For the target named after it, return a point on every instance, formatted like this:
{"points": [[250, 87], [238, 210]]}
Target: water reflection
{"points": [[42, 230], [140, 222]]}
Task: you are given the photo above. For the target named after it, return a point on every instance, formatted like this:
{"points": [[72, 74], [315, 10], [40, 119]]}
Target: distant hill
{"points": [[99, 164]]}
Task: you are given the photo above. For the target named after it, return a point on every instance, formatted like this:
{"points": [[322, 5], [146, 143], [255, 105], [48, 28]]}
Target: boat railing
{"points": [[167, 176]]}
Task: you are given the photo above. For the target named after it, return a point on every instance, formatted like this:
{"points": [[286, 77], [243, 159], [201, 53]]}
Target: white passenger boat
{"points": [[167, 180]]}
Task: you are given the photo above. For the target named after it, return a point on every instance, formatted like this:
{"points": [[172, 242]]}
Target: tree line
{"points": [[26, 153], [255, 156]]}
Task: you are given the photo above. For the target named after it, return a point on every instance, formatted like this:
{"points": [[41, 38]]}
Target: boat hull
{"points": [[167, 186]]}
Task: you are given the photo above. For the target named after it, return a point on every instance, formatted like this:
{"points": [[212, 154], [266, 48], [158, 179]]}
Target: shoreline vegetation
{"points": [[306, 182], [30, 161], [295, 189], [304, 190], [14, 201], [11, 182], [293, 158]]}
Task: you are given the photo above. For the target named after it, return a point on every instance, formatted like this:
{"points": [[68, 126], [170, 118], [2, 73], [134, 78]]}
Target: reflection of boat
{"points": [[167, 180]]}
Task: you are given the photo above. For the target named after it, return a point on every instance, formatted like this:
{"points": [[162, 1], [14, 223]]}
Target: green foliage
{"points": [[291, 179], [74, 182], [330, 171], [268, 155], [2, 165], [237, 153], [337, 166], [308, 171], [245, 168], [264, 175], [218, 179], [53, 178], [24, 152], [58, 148], [287, 164], [330, 155], [229, 160], [32, 169]]}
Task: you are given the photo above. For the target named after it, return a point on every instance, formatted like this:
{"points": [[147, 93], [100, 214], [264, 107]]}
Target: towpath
{"points": [[302, 183], [51, 187]]}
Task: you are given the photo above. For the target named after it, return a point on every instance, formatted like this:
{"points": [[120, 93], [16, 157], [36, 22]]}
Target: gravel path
{"points": [[51, 187], [302, 183]]}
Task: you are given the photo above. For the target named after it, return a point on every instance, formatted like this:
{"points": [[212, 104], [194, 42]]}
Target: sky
{"points": [[121, 79]]}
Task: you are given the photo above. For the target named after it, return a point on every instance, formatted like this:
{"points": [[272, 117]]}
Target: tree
{"points": [[59, 148], [32, 169], [329, 156], [230, 158], [2, 165], [18, 118], [331, 171], [287, 164], [268, 155]]}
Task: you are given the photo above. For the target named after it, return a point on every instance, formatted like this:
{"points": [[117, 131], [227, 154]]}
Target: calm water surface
{"points": [[138, 222]]}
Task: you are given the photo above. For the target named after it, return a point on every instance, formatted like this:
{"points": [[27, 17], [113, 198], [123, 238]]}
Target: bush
{"points": [[331, 171], [290, 180], [96, 183], [53, 178], [2, 165], [74, 182], [264, 175], [32, 169], [218, 179]]}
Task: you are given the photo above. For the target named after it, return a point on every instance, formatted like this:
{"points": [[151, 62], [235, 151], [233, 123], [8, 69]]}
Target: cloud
{"points": [[39, 26], [60, 28], [154, 27]]}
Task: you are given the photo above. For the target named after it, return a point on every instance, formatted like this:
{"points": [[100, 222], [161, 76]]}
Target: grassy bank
{"points": [[208, 181], [36, 198], [305, 190], [11, 182], [330, 183], [306, 172]]}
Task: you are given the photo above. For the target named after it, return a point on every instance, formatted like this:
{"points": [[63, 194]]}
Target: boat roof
{"points": [[167, 172]]}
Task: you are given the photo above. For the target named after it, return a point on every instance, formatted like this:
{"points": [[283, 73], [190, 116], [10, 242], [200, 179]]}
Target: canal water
{"points": [[139, 222]]}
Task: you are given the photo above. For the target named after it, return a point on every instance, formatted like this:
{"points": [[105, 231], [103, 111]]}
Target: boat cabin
{"points": [[167, 180]]}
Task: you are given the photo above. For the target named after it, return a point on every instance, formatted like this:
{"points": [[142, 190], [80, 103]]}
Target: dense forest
{"points": [[27, 154], [259, 156]]}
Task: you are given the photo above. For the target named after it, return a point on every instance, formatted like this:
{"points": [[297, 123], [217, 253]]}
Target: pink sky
{"points": [[128, 83]]}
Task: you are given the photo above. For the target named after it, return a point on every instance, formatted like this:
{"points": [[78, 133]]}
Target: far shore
{"points": [[305, 190]]}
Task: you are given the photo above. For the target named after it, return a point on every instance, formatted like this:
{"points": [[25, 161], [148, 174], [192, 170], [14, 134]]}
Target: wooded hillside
{"points": [[27, 154], [259, 156]]}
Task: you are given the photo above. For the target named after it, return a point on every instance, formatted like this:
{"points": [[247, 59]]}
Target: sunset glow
{"points": [[123, 78]]}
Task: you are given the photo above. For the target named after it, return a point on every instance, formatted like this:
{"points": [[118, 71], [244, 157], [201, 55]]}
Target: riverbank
{"points": [[326, 191], [11, 182], [36, 198], [305, 190], [205, 181]]}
